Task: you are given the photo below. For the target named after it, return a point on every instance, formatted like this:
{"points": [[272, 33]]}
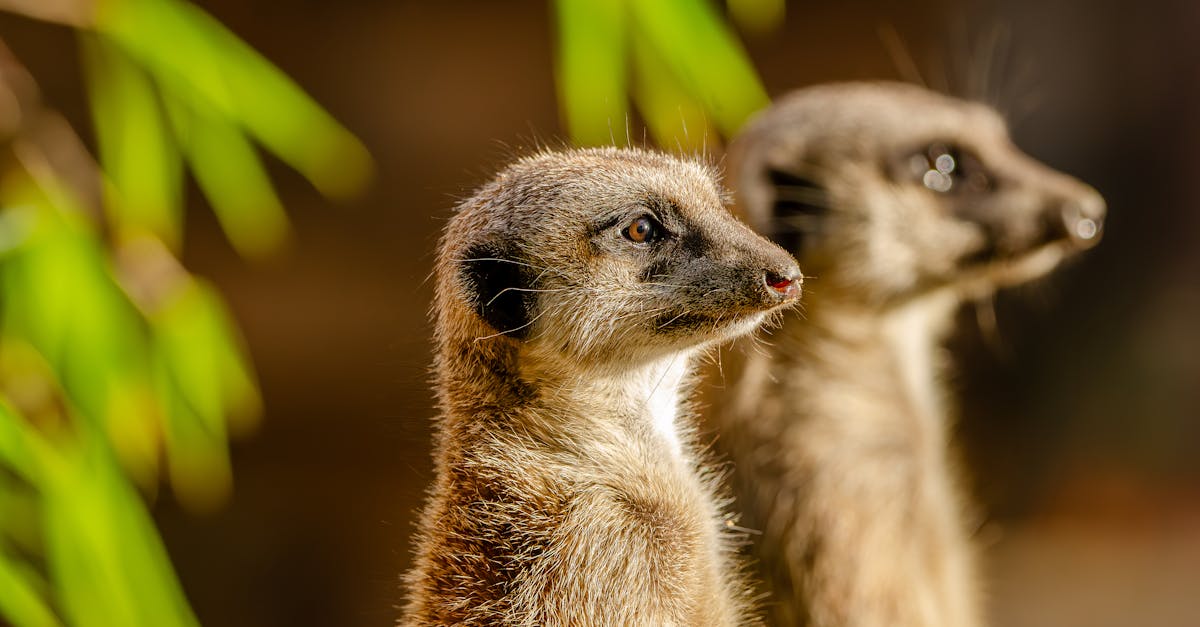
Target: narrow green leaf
{"points": [[150, 581], [42, 294], [21, 450], [239, 384], [195, 58], [592, 70], [89, 584], [20, 603], [143, 166], [15, 452], [103, 367], [184, 338], [64, 302], [20, 513], [233, 178], [757, 16], [104, 554], [675, 119], [705, 56], [204, 354], [197, 454]]}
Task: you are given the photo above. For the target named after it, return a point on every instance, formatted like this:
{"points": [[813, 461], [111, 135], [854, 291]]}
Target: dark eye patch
{"points": [[799, 207]]}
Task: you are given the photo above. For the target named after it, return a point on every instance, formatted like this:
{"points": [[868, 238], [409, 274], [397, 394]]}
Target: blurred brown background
{"points": [[1080, 417]]}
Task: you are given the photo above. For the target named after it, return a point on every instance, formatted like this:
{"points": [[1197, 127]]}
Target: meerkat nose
{"points": [[1083, 218], [785, 283]]}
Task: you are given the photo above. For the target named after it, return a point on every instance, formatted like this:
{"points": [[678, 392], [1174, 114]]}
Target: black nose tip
{"points": [[784, 283], [1083, 219]]}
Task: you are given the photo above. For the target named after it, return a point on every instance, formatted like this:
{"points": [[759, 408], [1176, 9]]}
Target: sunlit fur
{"points": [[836, 425], [569, 489]]}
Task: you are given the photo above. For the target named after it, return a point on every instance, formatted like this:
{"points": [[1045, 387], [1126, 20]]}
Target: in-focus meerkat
{"points": [[572, 293], [901, 204]]}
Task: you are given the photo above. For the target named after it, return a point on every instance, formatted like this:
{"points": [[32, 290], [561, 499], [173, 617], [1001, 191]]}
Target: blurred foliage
{"points": [[678, 60], [117, 366]]}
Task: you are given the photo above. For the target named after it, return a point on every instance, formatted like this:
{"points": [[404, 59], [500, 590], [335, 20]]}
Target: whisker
{"points": [[646, 312], [902, 59], [535, 319], [668, 323], [684, 287], [515, 263], [721, 366], [663, 377], [525, 289], [543, 273]]}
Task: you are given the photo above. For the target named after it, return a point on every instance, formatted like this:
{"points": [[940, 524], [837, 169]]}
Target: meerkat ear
{"points": [[798, 208], [498, 288]]}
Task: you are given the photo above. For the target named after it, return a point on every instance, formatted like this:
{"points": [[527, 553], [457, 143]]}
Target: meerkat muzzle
{"points": [[1083, 219]]}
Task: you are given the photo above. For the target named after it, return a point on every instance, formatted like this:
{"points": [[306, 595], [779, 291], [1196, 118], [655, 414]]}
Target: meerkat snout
{"points": [[1080, 219], [1024, 208]]}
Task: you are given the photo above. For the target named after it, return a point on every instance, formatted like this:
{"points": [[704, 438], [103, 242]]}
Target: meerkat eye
{"points": [[946, 168], [643, 230]]}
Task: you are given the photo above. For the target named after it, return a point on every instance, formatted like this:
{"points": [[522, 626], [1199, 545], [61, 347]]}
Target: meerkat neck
{"points": [[576, 402], [646, 397], [894, 352]]}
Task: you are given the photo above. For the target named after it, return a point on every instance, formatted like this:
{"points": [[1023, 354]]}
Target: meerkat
{"points": [[573, 292], [900, 204]]}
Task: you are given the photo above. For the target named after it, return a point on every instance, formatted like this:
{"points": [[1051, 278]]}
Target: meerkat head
{"points": [[887, 191], [608, 256]]}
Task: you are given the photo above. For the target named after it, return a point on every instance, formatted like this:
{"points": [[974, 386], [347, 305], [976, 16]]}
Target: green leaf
{"points": [[105, 557], [202, 379], [70, 309], [195, 58], [20, 602], [704, 56], [592, 70], [151, 582], [89, 582], [757, 16], [206, 355], [233, 179], [20, 513], [137, 152], [674, 118], [16, 453], [40, 291]]}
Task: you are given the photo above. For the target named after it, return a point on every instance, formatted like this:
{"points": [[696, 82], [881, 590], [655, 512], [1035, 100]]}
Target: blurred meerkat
{"points": [[902, 204], [572, 293]]}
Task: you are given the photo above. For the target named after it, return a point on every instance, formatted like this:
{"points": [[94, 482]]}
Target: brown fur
{"points": [[567, 490], [837, 430]]}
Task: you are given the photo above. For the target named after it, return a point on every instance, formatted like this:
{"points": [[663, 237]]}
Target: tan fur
{"points": [[568, 488], [837, 429]]}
